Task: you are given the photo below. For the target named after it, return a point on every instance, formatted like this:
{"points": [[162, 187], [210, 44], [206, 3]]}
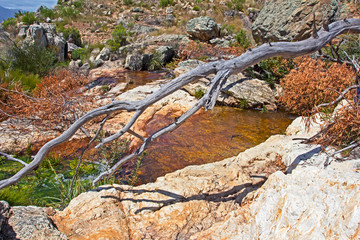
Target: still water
{"points": [[208, 137]]}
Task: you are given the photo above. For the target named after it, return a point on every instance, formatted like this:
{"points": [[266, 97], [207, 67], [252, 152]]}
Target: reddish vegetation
{"points": [[314, 82], [204, 51], [54, 101]]}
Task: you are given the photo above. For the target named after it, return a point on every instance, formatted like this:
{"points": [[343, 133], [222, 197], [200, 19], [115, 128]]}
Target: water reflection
{"points": [[208, 137]]}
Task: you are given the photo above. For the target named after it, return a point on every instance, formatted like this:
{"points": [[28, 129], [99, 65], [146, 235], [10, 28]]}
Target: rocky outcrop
{"points": [[202, 28], [44, 35], [27, 223], [292, 20], [226, 200]]}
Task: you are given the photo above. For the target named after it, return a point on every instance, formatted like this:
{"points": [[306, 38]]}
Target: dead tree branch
{"points": [[222, 69]]}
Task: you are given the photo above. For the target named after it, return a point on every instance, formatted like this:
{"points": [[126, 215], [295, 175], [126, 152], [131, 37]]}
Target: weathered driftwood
{"points": [[222, 70]]}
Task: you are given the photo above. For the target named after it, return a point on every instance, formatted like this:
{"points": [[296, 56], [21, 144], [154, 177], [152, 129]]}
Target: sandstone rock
{"points": [[30, 223], [225, 200], [203, 28], [288, 20]]}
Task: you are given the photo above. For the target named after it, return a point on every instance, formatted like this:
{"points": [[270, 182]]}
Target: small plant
{"points": [[136, 17], [28, 18], [18, 14], [127, 2], [228, 29], [166, 3], [134, 177], [119, 38], [312, 83], [105, 88], [47, 13], [242, 39], [68, 12], [70, 33], [243, 103], [79, 53], [9, 22], [196, 8], [199, 93], [78, 4]]}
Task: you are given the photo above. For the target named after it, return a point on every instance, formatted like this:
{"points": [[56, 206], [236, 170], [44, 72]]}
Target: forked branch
{"points": [[222, 70]]}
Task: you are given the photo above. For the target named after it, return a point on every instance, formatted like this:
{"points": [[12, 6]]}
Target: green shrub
{"points": [[9, 22], [196, 8], [28, 18], [228, 29], [236, 4], [28, 81], [242, 39], [18, 14], [127, 2], [69, 12], [47, 13], [119, 38], [33, 59], [166, 3], [272, 69], [70, 32], [78, 4], [79, 53]]}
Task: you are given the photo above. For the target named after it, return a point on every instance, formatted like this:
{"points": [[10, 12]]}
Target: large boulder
{"points": [[202, 28], [137, 61], [36, 35], [44, 35], [287, 20], [166, 54]]}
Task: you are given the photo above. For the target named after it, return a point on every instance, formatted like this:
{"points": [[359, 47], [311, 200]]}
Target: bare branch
{"points": [[221, 68], [11, 158], [339, 98]]}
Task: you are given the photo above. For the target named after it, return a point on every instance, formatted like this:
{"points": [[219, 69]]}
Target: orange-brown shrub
{"points": [[313, 82], [53, 102], [343, 128]]}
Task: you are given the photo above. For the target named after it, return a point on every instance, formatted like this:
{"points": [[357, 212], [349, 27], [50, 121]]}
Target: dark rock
{"points": [[166, 54]]}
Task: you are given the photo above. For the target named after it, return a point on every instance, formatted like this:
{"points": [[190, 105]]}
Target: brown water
{"points": [[208, 137]]}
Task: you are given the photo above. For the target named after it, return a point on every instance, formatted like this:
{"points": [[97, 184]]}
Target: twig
{"points": [[9, 157], [352, 146], [83, 152]]}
